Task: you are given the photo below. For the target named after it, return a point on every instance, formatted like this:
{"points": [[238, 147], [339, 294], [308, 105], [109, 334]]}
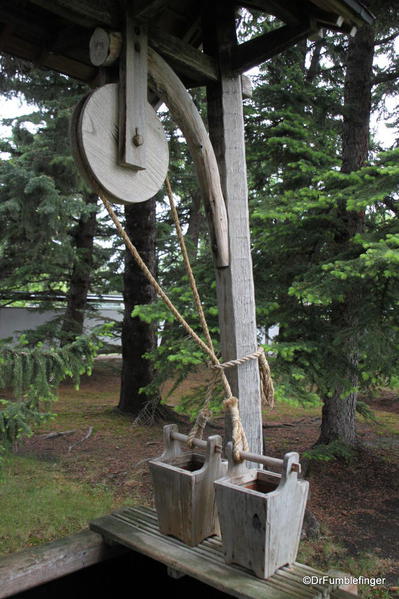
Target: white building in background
{"points": [[14, 320]]}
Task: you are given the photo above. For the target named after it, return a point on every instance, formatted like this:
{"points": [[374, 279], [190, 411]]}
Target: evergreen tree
{"points": [[176, 355], [65, 257], [49, 215], [29, 378], [318, 219]]}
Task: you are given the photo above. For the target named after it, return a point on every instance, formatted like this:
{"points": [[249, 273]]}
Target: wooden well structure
{"points": [[198, 40], [87, 40]]}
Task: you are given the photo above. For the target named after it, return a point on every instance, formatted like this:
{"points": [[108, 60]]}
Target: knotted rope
{"points": [[267, 388], [240, 442]]}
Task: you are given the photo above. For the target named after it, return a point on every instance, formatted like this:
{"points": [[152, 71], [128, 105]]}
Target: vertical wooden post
{"points": [[133, 96], [235, 286]]}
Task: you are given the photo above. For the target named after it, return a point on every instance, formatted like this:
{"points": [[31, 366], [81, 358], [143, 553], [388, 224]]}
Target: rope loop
{"points": [[267, 388]]}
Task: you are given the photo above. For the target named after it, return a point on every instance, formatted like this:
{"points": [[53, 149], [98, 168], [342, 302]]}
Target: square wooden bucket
{"points": [[183, 487], [261, 515]]}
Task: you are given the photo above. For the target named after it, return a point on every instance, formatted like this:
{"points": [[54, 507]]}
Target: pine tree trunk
{"points": [[137, 337], [80, 278], [194, 225], [339, 409]]}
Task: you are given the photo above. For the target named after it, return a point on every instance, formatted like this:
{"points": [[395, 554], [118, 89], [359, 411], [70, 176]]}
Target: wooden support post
{"points": [[235, 287], [133, 96]]}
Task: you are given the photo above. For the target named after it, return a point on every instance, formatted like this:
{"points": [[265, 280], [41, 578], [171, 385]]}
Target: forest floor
{"points": [[356, 501]]}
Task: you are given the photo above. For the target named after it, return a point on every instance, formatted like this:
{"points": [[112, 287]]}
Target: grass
{"points": [[43, 500], [328, 555], [39, 504]]}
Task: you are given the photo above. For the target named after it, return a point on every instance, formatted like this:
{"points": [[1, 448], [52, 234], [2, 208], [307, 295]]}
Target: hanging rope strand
{"points": [[151, 279], [230, 403], [187, 264], [193, 285]]}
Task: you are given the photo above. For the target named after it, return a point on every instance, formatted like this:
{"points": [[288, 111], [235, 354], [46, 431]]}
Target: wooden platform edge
{"points": [[37, 565], [137, 528]]}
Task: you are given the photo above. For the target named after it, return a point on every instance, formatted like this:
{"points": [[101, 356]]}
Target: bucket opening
{"points": [[260, 485], [190, 462]]}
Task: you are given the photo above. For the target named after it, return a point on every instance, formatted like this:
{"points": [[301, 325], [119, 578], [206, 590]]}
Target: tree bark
{"points": [[73, 321], [339, 407], [138, 337], [194, 225]]}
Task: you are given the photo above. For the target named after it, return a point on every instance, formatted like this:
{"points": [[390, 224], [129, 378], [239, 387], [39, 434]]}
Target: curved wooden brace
{"points": [[167, 85]]}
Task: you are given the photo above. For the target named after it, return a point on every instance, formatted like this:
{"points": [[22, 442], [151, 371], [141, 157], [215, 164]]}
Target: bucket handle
{"points": [[173, 439], [290, 466]]}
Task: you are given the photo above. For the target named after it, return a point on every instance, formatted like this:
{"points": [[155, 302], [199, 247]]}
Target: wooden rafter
{"points": [[84, 12], [188, 60], [251, 53]]}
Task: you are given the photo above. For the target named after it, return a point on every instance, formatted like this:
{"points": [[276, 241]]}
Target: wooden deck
{"points": [[36, 566], [137, 528]]}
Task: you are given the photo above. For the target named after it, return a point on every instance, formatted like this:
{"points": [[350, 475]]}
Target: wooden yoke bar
{"points": [[196, 442], [246, 455]]}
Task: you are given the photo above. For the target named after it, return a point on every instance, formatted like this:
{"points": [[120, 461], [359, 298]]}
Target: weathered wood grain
{"points": [[132, 113], [261, 515], [97, 133], [188, 60], [171, 90], [38, 565], [235, 287], [183, 489], [104, 47], [137, 528]]}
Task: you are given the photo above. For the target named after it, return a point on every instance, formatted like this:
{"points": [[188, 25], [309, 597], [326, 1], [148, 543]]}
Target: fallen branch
{"points": [[142, 462], [55, 434], [87, 435], [283, 425]]}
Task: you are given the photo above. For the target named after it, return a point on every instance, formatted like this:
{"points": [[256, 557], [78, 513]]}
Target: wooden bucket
{"points": [[183, 487], [261, 514]]}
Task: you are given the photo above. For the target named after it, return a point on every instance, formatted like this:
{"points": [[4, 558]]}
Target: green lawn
{"points": [[39, 504]]}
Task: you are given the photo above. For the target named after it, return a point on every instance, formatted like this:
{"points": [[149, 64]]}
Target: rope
{"points": [[198, 428], [267, 389], [189, 270], [151, 279], [240, 442]]}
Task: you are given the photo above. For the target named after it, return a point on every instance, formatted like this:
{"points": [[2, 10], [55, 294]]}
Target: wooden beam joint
{"points": [[106, 47]]}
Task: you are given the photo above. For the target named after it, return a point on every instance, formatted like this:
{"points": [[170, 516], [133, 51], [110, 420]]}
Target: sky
{"points": [[10, 109], [15, 107]]}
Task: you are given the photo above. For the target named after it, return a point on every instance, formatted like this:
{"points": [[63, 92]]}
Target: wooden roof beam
{"points": [[84, 12], [147, 9], [255, 51], [186, 59], [200, 68], [289, 11]]}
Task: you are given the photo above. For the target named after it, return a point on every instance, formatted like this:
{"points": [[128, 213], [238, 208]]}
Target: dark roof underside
{"points": [[55, 34]]}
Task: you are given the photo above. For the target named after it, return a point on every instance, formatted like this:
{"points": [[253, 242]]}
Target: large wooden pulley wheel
{"points": [[94, 133], [95, 144]]}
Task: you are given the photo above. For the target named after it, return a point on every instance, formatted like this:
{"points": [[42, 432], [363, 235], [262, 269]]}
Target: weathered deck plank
{"points": [[137, 528], [38, 565]]}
